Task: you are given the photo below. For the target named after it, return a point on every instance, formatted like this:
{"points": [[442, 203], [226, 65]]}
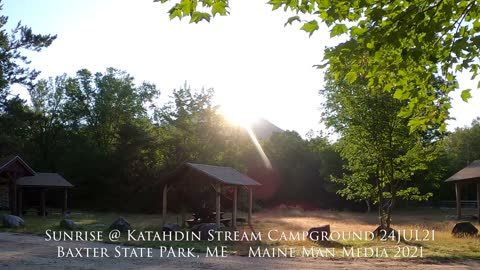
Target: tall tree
{"points": [[17, 122], [301, 168], [463, 145], [13, 62], [193, 130], [101, 125], [382, 155], [15, 117]]}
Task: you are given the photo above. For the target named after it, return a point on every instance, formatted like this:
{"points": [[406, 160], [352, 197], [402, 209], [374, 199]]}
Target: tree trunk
{"points": [[381, 212], [369, 208]]}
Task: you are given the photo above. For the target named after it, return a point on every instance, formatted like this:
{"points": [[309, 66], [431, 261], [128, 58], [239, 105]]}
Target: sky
{"points": [[255, 65]]}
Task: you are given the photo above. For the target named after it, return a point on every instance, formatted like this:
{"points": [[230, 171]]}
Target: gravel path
{"points": [[22, 251]]}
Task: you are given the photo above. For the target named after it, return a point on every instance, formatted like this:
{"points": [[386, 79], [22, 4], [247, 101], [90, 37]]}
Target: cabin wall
{"points": [[13, 170], [4, 193]]}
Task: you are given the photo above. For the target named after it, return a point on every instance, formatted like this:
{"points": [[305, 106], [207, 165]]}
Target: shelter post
{"points": [[217, 177], [250, 205], [164, 204], [65, 201], [478, 202], [43, 211], [234, 212], [20, 201], [218, 191], [13, 200], [458, 198], [468, 175]]}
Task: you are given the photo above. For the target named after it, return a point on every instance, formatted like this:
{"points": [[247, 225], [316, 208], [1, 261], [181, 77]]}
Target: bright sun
{"points": [[238, 115]]}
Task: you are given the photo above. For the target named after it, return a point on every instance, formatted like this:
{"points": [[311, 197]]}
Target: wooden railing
{"points": [[464, 203]]}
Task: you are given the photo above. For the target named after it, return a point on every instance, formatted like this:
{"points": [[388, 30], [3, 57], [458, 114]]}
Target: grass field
{"points": [[444, 247]]}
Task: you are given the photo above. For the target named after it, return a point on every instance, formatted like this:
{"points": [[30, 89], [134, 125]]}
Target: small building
{"points": [[467, 175], [218, 178], [18, 181]]}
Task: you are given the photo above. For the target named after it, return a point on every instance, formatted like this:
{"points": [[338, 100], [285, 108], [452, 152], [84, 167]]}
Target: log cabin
{"points": [[18, 182]]}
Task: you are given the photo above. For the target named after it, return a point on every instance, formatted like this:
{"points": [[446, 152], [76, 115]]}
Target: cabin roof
{"points": [[5, 162]]}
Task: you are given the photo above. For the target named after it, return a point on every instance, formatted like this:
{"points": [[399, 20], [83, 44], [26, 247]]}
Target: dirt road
{"points": [[21, 251]]}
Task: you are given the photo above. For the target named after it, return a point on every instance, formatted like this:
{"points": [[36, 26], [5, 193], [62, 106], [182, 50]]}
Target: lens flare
{"points": [[259, 148], [237, 115]]}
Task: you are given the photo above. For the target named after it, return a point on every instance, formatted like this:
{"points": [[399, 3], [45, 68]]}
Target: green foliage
{"points": [[193, 131], [93, 128], [466, 95], [410, 40], [197, 10], [463, 146], [383, 156], [303, 167], [406, 39], [459, 149], [16, 122], [310, 27], [338, 29], [105, 133], [13, 62]]}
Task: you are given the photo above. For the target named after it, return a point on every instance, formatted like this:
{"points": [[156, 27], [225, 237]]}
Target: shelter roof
{"points": [[469, 173], [224, 175], [44, 180]]}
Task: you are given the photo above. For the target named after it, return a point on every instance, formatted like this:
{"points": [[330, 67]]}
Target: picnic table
{"points": [[206, 216]]}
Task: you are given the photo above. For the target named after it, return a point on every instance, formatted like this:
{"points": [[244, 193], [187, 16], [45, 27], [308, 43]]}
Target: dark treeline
{"points": [[460, 148], [111, 139]]}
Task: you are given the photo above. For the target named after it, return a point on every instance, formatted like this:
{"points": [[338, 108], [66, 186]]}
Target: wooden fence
{"points": [[464, 203]]}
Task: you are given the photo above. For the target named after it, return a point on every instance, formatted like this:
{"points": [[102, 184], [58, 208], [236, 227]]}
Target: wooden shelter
{"points": [[218, 177], [17, 177], [467, 175]]}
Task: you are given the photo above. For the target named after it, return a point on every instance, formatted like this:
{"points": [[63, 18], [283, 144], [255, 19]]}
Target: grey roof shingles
{"points": [[471, 172], [226, 175], [44, 180]]}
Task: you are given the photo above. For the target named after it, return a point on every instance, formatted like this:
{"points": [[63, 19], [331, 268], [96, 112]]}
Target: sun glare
{"points": [[238, 115], [244, 117]]}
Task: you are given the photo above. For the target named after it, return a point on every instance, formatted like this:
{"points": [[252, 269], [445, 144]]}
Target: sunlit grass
{"points": [[444, 247]]}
